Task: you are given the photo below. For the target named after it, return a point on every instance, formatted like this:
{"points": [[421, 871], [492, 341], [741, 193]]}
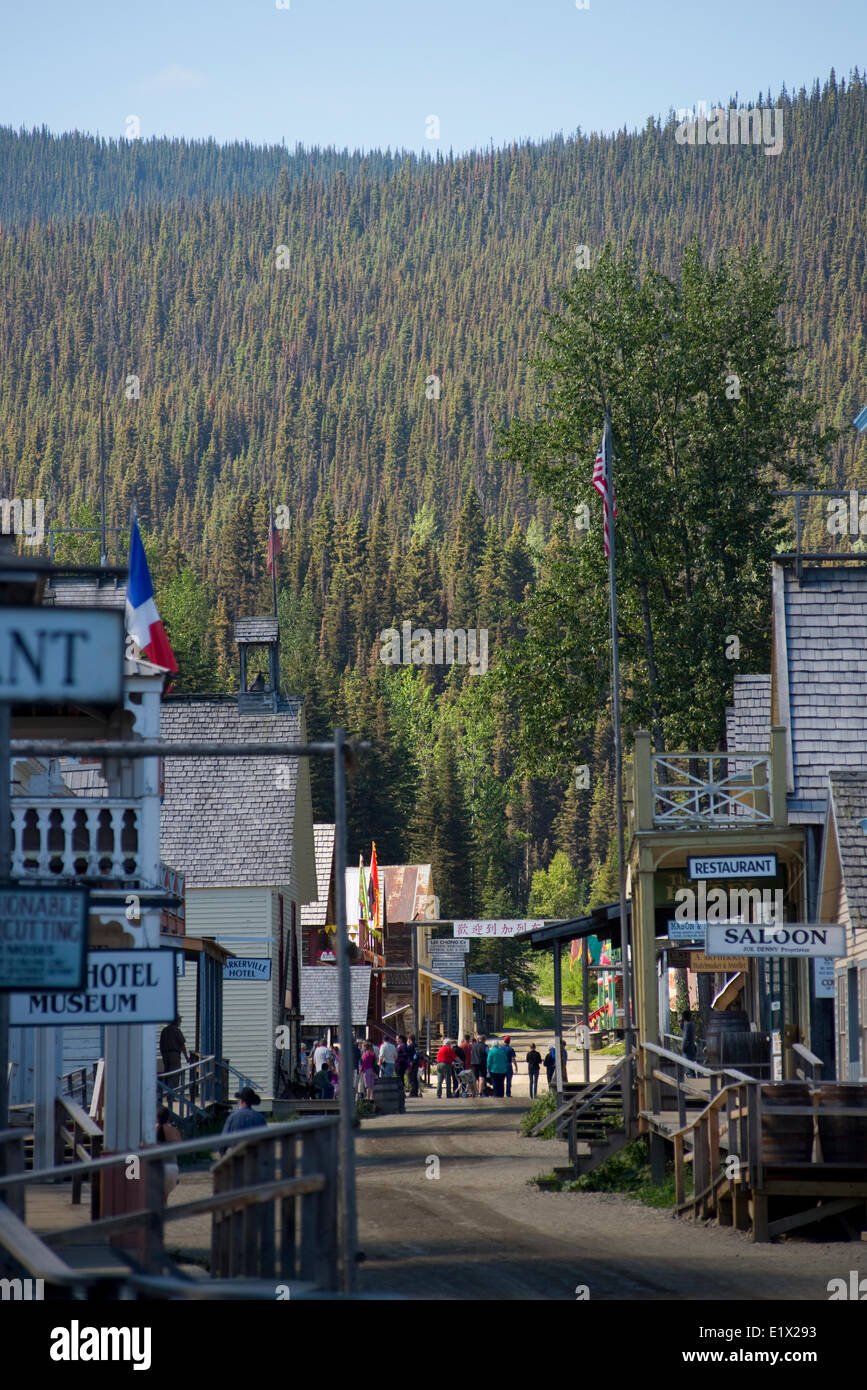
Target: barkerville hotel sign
{"points": [[775, 939]]}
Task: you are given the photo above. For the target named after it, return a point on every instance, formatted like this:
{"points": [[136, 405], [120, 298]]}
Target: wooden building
{"points": [[241, 832], [843, 898]]}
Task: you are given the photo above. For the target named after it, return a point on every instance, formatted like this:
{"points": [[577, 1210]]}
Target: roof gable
{"points": [[230, 822], [320, 1002], [820, 677], [848, 809]]}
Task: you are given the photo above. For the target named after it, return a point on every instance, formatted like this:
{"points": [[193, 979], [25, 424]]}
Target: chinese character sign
{"points": [[492, 927]]}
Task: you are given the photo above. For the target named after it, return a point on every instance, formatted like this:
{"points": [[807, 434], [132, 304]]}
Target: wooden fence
{"points": [[273, 1209]]}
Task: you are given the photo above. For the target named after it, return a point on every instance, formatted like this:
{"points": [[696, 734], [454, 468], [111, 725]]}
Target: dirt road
{"points": [[479, 1230]]}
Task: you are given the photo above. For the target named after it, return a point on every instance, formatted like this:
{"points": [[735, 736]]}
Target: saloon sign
{"points": [[775, 939]]}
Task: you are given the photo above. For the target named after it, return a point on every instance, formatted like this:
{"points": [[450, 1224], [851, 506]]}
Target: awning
{"points": [[600, 921], [449, 984]]}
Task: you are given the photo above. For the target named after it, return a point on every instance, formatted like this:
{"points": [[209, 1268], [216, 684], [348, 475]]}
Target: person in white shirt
{"points": [[387, 1058], [322, 1054]]}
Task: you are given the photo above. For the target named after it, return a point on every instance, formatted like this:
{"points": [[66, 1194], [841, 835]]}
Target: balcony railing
{"points": [[67, 838], [738, 790], [693, 789]]}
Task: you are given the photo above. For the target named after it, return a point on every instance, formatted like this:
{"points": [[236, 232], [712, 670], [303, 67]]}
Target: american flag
{"points": [[602, 484], [275, 545]]}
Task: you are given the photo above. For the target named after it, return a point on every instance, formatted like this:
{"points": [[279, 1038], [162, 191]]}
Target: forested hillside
{"points": [[249, 320]]}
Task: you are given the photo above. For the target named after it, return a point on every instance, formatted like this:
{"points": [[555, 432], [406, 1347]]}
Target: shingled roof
{"points": [[320, 1004], [486, 985], [748, 718], [256, 629], [315, 914], [61, 591], [820, 678], [849, 808], [231, 822]]}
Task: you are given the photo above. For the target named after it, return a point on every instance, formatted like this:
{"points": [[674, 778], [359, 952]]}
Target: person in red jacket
{"points": [[445, 1062]]}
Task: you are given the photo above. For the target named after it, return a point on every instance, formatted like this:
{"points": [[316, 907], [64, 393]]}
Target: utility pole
{"points": [[347, 1071]]}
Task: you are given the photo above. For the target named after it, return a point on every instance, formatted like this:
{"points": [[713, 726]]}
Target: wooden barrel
{"points": [[745, 1050], [389, 1096], [843, 1137], [786, 1138], [722, 1024]]}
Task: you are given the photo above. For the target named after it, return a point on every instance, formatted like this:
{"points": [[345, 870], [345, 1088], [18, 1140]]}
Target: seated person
{"points": [[322, 1082]]}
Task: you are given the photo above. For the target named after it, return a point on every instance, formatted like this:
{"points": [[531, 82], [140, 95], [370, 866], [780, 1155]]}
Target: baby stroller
{"points": [[461, 1088]]}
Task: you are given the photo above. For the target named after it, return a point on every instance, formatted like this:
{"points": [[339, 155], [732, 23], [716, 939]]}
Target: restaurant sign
{"points": [[731, 866], [775, 939]]}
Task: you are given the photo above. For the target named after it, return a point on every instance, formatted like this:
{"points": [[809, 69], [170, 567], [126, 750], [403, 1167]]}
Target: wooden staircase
{"points": [[591, 1120]]}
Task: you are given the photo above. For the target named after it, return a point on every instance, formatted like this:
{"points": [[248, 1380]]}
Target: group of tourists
{"points": [[476, 1068], [473, 1068], [402, 1059], [321, 1069]]}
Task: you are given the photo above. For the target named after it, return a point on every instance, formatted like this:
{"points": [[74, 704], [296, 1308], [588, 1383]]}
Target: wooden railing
{"points": [[273, 1209], [71, 837], [681, 1075], [810, 1060], [195, 1087], [727, 1142], [77, 1131]]}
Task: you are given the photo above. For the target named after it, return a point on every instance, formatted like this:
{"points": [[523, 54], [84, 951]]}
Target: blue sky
{"points": [[368, 73]]}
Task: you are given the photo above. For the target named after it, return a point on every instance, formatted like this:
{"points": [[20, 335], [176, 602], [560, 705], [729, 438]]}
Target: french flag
{"points": [[143, 622]]}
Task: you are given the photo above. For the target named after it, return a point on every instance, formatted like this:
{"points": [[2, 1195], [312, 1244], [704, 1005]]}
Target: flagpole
{"points": [[273, 550], [628, 1022]]}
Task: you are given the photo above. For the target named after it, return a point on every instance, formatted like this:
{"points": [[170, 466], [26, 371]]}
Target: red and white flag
{"points": [[602, 484], [275, 545]]}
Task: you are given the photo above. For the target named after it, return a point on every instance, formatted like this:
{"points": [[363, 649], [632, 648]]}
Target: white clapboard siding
{"points": [[249, 1006], [186, 986], [81, 1046]]}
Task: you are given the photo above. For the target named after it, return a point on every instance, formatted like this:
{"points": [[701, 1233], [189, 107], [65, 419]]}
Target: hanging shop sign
{"points": [[704, 964], [775, 939], [247, 968], [43, 938], [686, 931], [122, 987], [49, 655], [731, 866], [449, 948], [823, 977]]}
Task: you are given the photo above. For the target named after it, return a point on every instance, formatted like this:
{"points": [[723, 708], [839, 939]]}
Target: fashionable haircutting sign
{"points": [[775, 939], [43, 938], [731, 866]]}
